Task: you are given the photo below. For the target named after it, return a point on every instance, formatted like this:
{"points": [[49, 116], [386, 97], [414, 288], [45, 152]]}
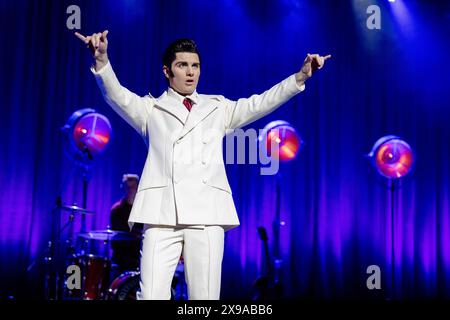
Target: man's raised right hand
{"points": [[98, 45]]}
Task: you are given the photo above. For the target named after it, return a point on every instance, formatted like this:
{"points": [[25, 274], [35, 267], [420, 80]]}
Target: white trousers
{"points": [[202, 251]]}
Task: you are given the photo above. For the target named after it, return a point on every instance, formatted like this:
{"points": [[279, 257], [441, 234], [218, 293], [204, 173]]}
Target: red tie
{"points": [[187, 104]]}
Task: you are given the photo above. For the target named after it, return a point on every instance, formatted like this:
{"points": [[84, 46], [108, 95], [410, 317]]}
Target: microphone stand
{"points": [[276, 225]]}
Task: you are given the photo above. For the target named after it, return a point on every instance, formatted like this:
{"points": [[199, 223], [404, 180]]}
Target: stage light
{"points": [[392, 157], [283, 134], [87, 135]]}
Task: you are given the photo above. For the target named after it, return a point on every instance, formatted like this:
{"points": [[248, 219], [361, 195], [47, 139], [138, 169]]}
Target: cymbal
{"points": [[76, 208], [110, 235]]}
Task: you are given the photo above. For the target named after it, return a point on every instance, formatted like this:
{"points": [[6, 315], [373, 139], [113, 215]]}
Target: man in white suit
{"points": [[184, 199]]}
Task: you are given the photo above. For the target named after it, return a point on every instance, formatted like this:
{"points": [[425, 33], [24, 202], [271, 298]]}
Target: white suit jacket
{"points": [[184, 180]]}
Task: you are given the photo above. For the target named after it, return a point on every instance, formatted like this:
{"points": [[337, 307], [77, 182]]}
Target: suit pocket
{"points": [[153, 183], [220, 184]]}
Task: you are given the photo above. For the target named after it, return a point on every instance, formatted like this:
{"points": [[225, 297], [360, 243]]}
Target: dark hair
{"points": [[180, 45]]}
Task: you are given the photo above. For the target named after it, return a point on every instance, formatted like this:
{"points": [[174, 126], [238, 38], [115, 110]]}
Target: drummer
{"points": [[126, 254]]}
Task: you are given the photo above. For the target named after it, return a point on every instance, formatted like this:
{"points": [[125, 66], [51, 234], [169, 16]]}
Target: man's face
{"points": [[131, 186], [186, 72]]}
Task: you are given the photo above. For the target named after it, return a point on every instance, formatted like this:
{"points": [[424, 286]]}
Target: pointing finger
{"points": [[327, 57], [104, 34], [80, 36]]}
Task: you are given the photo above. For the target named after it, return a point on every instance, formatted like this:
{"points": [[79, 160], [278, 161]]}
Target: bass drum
{"points": [[125, 286], [95, 272]]}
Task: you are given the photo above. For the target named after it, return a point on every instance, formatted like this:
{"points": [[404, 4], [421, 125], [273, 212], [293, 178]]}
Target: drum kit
{"points": [[90, 257], [96, 267]]}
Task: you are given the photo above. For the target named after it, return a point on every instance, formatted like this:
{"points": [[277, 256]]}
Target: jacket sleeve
{"points": [[131, 107], [246, 110]]}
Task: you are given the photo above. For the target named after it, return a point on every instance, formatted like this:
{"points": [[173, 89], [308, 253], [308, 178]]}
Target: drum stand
{"points": [[55, 254], [52, 253]]}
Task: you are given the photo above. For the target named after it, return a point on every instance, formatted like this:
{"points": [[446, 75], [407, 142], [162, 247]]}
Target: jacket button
{"points": [[175, 181], [204, 142], [204, 181], [203, 162]]}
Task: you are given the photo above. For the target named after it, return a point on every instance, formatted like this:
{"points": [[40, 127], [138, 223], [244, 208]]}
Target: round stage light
{"points": [[87, 133], [392, 157], [285, 136]]}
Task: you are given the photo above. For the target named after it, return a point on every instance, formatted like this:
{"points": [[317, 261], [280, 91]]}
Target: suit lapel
{"points": [[199, 112], [189, 119], [171, 106]]}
